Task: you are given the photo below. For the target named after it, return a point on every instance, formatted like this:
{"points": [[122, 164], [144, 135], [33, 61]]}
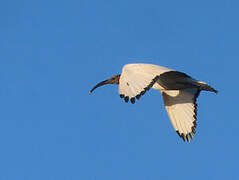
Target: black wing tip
{"points": [[132, 100], [138, 96], [126, 99], [186, 137]]}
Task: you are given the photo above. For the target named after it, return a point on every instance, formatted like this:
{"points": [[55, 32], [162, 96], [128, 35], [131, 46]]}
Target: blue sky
{"points": [[53, 52]]}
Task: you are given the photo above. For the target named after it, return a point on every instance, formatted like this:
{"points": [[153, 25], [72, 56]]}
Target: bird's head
{"points": [[112, 80]]}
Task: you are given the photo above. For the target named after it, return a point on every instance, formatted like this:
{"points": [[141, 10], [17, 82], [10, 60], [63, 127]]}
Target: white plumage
{"points": [[179, 92], [136, 77]]}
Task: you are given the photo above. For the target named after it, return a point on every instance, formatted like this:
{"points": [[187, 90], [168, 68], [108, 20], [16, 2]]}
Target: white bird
{"points": [[179, 92]]}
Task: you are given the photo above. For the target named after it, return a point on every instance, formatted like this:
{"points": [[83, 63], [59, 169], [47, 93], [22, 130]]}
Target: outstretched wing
{"points": [[136, 79], [182, 110]]}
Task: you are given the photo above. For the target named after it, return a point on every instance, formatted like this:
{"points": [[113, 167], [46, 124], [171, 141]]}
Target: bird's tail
{"points": [[206, 87]]}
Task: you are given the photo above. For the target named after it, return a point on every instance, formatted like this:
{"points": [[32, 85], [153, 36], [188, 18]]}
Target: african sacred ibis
{"points": [[179, 92]]}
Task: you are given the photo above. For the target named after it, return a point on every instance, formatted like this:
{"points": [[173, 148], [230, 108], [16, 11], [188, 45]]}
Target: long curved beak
{"points": [[99, 84]]}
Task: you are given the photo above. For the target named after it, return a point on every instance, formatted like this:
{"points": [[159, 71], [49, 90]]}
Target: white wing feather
{"points": [[182, 110], [135, 79]]}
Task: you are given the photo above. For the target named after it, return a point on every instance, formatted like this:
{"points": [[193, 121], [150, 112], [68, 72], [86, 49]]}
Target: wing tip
{"points": [[186, 137], [126, 98], [132, 100]]}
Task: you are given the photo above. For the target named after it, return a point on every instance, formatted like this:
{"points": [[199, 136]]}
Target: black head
{"points": [[112, 80]]}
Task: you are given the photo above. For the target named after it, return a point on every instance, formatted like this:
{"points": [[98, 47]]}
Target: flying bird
{"points": [[179, 91]]}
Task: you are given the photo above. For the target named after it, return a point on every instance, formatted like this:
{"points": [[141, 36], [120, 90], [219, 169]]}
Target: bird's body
{"points": [[179, 92]]}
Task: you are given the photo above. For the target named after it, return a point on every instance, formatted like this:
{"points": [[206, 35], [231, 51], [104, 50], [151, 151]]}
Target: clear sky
{"points": [[53, 52]]}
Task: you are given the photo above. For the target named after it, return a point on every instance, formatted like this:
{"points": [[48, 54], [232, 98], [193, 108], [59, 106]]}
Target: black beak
{"points": [[99, 84]]}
